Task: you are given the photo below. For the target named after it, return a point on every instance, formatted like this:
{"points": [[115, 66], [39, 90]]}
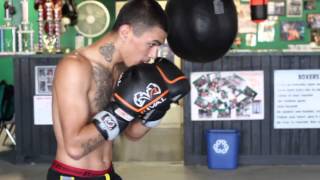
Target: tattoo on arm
{"points": [[107, 51], [91, 144]]}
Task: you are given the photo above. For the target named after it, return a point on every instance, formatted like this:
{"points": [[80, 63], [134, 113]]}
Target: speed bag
{"points": [[201, 30]]}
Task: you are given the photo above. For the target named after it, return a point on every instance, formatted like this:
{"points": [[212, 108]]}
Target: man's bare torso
{"points": [[99, 95]]}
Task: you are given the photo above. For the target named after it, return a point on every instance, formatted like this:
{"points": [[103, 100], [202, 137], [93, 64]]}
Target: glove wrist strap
{"points": [[107, 125]]}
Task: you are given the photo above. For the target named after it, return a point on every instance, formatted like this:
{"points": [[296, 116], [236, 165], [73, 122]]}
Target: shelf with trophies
{"points": [[19, 39], [16, 40]]}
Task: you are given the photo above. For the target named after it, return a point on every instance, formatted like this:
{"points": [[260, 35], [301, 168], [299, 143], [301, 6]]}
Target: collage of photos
{"points": [[291, 22], [227, 95]]}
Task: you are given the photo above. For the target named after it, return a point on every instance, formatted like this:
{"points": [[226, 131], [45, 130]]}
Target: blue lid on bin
{"points": [[222, 131]]}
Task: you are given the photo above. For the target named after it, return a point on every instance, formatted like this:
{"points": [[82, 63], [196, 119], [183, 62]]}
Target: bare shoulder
{"points": [[74, 63], [73, 67]]}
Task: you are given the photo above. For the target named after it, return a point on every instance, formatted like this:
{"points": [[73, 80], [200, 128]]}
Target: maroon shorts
{"points": [[61, 171]]}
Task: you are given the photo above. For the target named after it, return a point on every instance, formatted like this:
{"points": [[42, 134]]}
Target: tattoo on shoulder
{"points": [[107, 51], [91, 144]]}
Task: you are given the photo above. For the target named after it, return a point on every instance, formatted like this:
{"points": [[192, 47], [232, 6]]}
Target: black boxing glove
{"points": [[175, 79], [178, 87], [152, 118], [139, 90]]}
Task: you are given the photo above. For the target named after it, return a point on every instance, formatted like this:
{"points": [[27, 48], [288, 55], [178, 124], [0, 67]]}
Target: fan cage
{"points": [[102, 6]]}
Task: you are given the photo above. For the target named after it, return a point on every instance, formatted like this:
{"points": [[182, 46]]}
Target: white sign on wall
{"points": [[42, 110], [296, 99]]}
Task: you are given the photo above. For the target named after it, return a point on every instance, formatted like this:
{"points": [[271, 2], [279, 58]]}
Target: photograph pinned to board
{"points": [[292, 30], [251, 39], [313, 21], [245, 24], [277, 8], [294, 8], [44, 79], [266, 30], [309, 4], [315, 36], [227, 95]]}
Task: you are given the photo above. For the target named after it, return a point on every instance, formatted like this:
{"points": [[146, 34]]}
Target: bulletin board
{"points": [[291, 24]]}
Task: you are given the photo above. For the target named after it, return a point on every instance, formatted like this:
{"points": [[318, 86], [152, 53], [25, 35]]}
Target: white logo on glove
{"points": [[221, 146], [109, 121], [140, 98]]}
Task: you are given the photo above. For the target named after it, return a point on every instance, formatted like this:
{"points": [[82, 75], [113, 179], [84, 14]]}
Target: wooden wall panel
{"points": [[34, 142], [260, 143]]}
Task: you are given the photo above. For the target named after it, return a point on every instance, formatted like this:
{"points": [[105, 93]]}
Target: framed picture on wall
{"points": [[292, 30], [313, 21], [294, 8]]}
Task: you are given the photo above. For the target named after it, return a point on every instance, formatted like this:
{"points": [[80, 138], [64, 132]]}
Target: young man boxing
{"points": [[90, 102]]}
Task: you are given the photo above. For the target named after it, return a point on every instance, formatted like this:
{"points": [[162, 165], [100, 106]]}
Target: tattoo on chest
{"points": [[107, 51], [104, 84]]}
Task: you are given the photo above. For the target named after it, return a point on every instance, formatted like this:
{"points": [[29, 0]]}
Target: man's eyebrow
{"points": [[157, 42]]}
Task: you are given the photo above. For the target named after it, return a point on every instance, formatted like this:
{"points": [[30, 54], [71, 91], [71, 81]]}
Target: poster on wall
{"points": [[227, 95], [43, 79], [296, 99]]}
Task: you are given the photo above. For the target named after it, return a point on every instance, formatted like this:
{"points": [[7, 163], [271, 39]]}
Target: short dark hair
{"points": [[141, 15]]}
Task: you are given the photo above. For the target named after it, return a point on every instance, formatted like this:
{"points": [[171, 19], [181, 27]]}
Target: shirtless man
{"points": [[83, 84]]}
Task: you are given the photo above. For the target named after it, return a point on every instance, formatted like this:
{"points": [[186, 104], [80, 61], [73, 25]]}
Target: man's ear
{"points": [[125, 31]]}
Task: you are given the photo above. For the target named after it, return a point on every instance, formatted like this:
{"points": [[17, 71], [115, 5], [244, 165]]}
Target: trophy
{"points": [[25, 32], [57, 26], [41, 27], [8, 45], [49, 19]]}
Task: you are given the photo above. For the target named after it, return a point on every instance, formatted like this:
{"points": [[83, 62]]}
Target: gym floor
{"points": [[163, 170]]}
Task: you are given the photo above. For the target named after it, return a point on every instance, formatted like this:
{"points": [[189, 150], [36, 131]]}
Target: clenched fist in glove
{"points": [[139, 90], [177, 84]]}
